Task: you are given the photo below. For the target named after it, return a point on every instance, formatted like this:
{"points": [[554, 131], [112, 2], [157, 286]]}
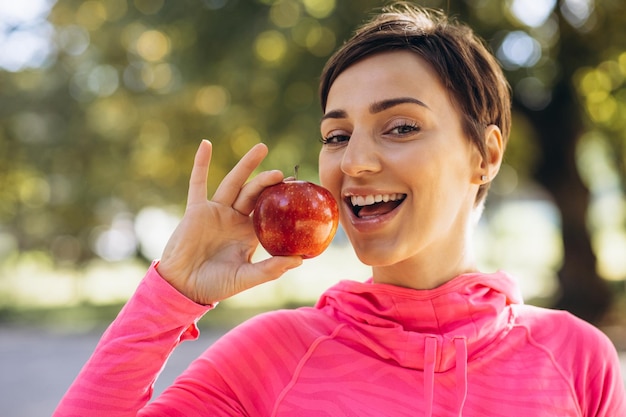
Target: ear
{"points": [[489, 165]]}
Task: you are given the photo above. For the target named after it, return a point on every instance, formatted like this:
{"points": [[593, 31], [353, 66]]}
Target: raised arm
{"points": [[207, 259]]}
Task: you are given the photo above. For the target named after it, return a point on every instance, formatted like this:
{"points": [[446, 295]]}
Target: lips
{"points": [[372, 205]]}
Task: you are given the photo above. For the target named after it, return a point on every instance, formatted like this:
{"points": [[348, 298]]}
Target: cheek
{"points": [[326, 171], [330, 174]]}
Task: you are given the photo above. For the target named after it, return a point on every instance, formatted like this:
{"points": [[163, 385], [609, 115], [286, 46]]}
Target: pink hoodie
{"points": [[467, 348]]}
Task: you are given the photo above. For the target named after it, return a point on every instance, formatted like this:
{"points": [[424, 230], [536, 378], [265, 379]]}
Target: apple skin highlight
{"points": [[295, 217]]}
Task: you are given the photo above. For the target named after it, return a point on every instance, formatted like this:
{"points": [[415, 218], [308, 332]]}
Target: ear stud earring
{"points": [[483, 178]]}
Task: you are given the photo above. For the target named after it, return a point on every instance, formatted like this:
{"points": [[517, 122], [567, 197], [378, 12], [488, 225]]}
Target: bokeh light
{"points": [[531, 12], [519, 49], [270, 47]]}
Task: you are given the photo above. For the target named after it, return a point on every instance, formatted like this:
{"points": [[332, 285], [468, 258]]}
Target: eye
{"points": [[334, 139], [404, 128]]}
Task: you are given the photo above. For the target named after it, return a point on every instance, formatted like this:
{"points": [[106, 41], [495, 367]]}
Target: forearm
{"points": [[118, 378]]}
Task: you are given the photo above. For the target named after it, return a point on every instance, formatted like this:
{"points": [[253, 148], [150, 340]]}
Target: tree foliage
{"points": [[108, 126]]}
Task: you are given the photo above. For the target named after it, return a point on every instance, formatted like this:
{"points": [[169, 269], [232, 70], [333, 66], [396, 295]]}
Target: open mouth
{"points": [[374, 205]]}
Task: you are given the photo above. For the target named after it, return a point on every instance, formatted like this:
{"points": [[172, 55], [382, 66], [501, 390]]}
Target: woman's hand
{"points": [[208, 257]]}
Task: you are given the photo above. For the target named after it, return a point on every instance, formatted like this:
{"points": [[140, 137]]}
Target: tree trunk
{"points": [[583, 292]]}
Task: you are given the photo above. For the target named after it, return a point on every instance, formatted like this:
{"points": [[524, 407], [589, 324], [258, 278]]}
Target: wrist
{"points": [[166, 275], [172, 294]]}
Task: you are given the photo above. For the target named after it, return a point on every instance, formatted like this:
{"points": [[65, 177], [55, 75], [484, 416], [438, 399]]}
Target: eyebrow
{"points": [[383, 105], [335, 114], [377, 107]]}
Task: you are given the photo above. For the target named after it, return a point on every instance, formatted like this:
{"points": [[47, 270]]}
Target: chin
{"points": [[375, 257]]}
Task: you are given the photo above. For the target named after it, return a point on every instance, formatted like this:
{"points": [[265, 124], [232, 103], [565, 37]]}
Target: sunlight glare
{"points": [[532, 13], [25, 35]]}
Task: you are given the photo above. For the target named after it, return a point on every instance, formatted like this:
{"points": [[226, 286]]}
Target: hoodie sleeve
{"points": [[588, 357], [582, 354], [118, 379], [604, 390]]}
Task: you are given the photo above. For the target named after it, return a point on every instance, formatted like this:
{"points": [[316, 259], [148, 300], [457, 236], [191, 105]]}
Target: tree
{"points": [[545, 74], [106, 127]]}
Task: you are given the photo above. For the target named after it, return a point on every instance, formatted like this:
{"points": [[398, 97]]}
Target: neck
{"points": [[429, 269]]}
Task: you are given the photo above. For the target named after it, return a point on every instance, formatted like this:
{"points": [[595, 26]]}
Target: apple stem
{"points": [[295, 171]]}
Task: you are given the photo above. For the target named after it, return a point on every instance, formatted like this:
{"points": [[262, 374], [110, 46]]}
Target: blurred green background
{"points": [[103, 103]]}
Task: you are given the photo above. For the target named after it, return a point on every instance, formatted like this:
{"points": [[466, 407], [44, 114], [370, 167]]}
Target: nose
{"points": [[360, 156]]}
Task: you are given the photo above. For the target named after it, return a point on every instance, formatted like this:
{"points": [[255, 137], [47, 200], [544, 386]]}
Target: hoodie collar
{"points": [[421, 329]]}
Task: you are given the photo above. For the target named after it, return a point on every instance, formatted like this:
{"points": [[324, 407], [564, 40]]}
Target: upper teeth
{"points": [[367, 200]]}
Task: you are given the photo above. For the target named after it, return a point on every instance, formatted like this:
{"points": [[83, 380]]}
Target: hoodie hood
{"points": [[428, 330], [395, 322]]}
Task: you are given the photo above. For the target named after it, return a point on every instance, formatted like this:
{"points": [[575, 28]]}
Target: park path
{"points": [[38, 365]]}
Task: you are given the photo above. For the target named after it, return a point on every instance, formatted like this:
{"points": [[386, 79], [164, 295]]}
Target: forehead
{"points": [[387, 75]]}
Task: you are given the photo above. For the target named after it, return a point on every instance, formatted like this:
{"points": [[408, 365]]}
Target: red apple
{"points": [[295, 217]]}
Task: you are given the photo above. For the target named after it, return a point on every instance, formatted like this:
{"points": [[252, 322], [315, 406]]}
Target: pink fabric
{"points": [[467, 348]]}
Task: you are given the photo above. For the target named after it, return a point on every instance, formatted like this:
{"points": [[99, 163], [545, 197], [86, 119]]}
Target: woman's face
{"points": [[397, 161]]}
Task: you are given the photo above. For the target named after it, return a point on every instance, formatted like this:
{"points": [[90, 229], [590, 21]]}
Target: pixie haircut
{"points": [[463, 63]]}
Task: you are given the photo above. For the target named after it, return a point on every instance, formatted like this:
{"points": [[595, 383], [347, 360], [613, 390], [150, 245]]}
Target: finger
{"points": [[198, 178], [229, 188], [248, 195]]}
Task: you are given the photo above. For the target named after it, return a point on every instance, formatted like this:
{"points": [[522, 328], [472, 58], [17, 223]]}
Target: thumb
{"points": [[272, 268]]}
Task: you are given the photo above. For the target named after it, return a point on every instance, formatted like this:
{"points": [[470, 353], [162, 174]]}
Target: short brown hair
{"points": [[465, 66]]}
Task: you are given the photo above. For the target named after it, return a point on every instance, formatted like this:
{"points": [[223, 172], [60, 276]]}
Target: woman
{"points": [[416, 116]]}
